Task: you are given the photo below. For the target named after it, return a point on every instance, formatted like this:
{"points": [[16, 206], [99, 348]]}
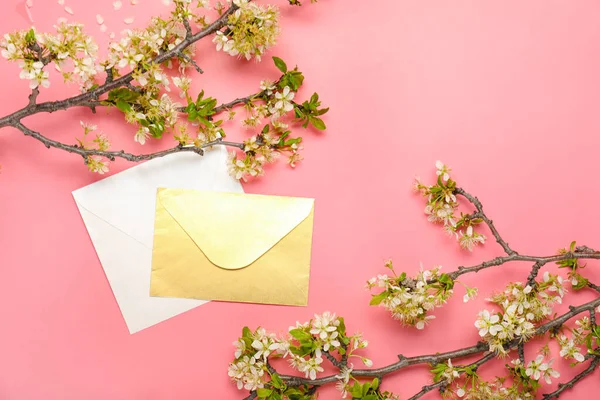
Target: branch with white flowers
{"points": [[136, 81], [595, 361], [520, 312]]}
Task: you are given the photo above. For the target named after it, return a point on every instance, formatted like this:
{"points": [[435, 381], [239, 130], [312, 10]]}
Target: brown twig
{"points": [[444, 383], [111, 155], [480, 214], [33, 97], [518, 257], [569, 385]]}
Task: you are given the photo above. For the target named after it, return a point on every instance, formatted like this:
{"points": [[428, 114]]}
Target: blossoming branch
{"points": [[518, 313], [136, 79]]}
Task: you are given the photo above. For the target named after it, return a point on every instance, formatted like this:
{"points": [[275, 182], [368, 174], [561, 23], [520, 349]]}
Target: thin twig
{"points": [[480, 214], [111, 155], [428, 388], [443, 383], [518, 257], [191, 61], [188, 28], [593, 286], [33, 97], [534, 272], [568, 385], [332, 359], [109, 75]]}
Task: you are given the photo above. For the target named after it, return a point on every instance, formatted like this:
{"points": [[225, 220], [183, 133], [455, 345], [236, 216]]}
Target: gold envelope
{"points": [[232, 247]]}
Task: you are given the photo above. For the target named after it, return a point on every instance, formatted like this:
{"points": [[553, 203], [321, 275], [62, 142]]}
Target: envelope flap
{"points": [[127, 200], [233, 230]]}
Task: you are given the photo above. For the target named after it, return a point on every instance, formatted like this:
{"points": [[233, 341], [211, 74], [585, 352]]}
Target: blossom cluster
{"points": [[521, 305], [306, 346], [442, 208], [540, 368], [98, 142], [262, 149], [410, 299], [251, 30], [33, 51], [272, 104], [463, 382], [136, 48], [145, 101], [584, 340]]}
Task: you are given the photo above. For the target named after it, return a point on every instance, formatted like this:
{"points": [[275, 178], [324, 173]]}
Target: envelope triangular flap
{"points": [[233, 230]]}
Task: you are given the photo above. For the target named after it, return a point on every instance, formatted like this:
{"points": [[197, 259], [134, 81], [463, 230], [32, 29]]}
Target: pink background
{"points": [[507, 93]]}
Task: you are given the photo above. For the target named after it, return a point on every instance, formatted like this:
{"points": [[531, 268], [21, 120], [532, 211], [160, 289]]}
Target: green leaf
{"points": [[322, 111], [30, 36], [293, 79], [366, 388], [356, 390], [378, 298], [293, 83], [123, 106], [200, 96], [284, 135], [157, 128], [276, 381], [123, 94], [292, 141], [263, 393], [246, 332], [446, 281], [265, 129], [375, 383], [280, 64], [275, 396], [318, 123], [341, 326], [371, 397], [300, 334]]}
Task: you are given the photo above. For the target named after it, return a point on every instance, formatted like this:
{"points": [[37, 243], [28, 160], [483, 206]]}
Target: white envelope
{"points": [[118, 213]]}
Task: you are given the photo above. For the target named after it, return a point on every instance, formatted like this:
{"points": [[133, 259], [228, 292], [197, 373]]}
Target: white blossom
{"points": [[282, 103], [324, 325], [442, 170], [487, 323]]}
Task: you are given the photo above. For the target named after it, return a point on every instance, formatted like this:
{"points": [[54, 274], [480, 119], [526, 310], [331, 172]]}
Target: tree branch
{"points": [[441, 385], [435, 358], [480, 214], [111, 155], [569, 385], [94, 95], [33, 97], [191, 61], [518, 257]]}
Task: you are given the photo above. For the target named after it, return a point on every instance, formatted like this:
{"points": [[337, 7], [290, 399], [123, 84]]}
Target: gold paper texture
{"points": [[232, 247]]}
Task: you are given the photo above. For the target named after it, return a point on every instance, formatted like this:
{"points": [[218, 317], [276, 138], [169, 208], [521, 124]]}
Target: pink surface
{"points": [[507, 93]]}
